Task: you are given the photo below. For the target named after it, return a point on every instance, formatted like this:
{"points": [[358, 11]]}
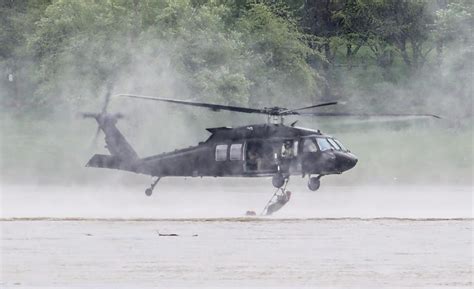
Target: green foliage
{"points": [[240, 52], [454, 23], [392, 54], [206, 52], [79, 45], [278, 53]]}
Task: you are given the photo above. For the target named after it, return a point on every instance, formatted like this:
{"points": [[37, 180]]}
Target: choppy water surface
{"points": [[224, 253], [335, 238]]}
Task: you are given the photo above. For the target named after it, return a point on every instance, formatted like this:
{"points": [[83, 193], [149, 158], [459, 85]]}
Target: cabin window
{"points": [[221, 153], [236, 152]]}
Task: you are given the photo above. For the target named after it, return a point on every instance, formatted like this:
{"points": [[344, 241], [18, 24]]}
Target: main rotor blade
{"points": [[294, 111], [368, 115], [213, 107]]}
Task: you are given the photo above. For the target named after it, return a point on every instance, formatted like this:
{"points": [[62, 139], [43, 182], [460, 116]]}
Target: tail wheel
{"points": [[148, 192], [278, 181], [314, 183]]}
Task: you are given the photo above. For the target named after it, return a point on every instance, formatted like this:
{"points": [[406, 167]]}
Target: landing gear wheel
{"points": [[148, 192], [314, 183], [278, 181]]}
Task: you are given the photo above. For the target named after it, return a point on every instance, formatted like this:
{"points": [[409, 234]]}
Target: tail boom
{"points": [[116, 143]]}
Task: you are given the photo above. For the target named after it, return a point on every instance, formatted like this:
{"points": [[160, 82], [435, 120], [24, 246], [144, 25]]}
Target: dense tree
{"points": [[79, 45], [454, 23], [240, 52]]}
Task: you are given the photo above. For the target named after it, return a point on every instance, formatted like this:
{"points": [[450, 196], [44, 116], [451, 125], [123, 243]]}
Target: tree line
{"points": [[58, 52]]}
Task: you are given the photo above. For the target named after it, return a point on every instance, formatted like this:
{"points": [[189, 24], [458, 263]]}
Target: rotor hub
{"points": [[276, 110]]}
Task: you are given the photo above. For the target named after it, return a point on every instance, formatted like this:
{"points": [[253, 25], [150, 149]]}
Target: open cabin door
{"points": [[260, 157], [264, 156]]}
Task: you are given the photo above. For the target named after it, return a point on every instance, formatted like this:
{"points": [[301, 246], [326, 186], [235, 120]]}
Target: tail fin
{"points": [[116, 142]]}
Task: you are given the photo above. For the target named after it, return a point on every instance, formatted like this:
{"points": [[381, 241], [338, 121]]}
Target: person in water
{"points": [[280, 201]]}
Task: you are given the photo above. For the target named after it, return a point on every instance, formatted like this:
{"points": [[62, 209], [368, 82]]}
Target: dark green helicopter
{"points": [[272, 149]]}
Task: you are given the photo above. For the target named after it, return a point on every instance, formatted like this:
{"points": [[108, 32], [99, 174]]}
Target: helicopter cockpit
{"points": [[314, 144], [326, 155]]}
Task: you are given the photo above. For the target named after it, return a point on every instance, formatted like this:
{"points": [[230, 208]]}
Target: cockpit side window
{"points": [[334, 144], [309, 146], [323, 144]]}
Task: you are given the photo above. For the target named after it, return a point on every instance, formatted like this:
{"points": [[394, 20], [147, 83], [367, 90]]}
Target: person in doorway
{"points": [[252, 157], [280, 201], [287, 150]]}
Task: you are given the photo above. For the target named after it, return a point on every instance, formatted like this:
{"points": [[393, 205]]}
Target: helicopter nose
{"points": [[346, 161]]}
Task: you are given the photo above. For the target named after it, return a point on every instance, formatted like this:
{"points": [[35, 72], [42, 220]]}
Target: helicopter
{"points": [[272, 149]]}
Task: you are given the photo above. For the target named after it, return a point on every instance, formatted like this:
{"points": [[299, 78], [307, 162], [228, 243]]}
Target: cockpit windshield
{"points": [[340, 145], [323, 144], [334, 144]]}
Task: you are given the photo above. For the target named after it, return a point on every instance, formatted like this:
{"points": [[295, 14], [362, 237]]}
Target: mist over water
{"points": [[402, 217], [223, 199]]}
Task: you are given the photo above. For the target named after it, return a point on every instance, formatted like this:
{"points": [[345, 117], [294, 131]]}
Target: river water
{"points": [[336, 238]]}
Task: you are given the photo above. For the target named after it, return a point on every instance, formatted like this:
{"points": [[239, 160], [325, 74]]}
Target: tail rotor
{"points": [[102, 116], [102, 113]]}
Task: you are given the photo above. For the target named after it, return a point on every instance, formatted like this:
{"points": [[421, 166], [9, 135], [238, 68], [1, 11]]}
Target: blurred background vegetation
{"points": [[57, 57]]}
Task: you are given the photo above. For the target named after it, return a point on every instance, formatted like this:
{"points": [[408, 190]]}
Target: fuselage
{"points": [[253, 151]]}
